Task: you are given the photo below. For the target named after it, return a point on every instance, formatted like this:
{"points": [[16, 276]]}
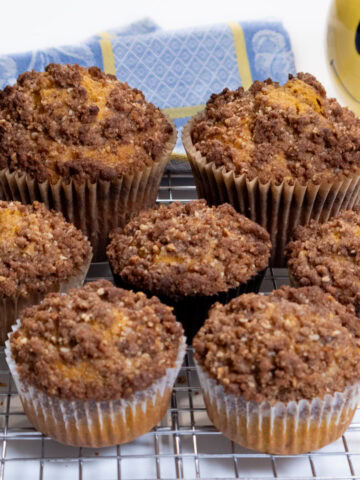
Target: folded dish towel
{"points": [[176, 70]]}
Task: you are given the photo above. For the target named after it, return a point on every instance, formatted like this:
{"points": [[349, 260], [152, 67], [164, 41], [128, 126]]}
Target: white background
{"points": [[27, 25]]}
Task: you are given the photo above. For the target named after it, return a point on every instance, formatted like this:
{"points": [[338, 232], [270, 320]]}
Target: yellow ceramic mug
{"points": [[343, 42]]}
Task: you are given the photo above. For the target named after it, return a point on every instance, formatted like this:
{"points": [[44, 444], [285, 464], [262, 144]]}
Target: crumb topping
{"points": [[275, 133], [38, 249], [95, 343], [73, 122], [290, 345], [328, 255], [189, 249]]}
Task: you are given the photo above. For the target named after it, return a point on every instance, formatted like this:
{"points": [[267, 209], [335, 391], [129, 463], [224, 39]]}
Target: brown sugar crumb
{"points": [[328, 255], [292, 344], [98, 342], [189, 249], [38, 249], [73, 122], [275, 133]]}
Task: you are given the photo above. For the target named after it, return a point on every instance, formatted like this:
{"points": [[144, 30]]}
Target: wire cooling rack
{"points": [[184, 445]]}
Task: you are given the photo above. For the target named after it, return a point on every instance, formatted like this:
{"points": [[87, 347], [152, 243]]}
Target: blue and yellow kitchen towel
{"points": [[176, 70]]}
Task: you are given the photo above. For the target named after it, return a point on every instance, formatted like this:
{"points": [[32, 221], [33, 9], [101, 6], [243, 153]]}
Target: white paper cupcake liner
{"points": [[95, 208], [11, 307], [278, 208], [292, 428], [96, 423]]}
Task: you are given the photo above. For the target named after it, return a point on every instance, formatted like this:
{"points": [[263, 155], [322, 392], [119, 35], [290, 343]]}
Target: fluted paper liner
{"points": [[11, 308], [95, 208], [283, 428], [90, 423], [278, 208]]}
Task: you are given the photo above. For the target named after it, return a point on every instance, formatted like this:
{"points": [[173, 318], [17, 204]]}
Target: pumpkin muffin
{"points": [[96, 367], [328, 255], [280, 154], [280, 373], [85, 144], [39, 253], [191, 256]]}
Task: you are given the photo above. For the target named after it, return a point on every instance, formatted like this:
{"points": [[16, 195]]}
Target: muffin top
{"points": [[95, 343], [279, 133], [189, 249], [328, 255], [38, 249], [290, 345], [73, 122]]}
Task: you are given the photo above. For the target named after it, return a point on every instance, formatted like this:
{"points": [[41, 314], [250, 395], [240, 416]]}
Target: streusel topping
{"points": [[292, 344], [95, 343], [189, 249], [38, 249], [328, 255], [291, 132], [73, 122]]}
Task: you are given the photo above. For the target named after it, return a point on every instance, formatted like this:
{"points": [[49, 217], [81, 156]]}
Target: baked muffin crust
{"points": [[73, 122], [38, 249], [189, 249], [275, 133], [95, 343], [328, 255], [292, 344]]}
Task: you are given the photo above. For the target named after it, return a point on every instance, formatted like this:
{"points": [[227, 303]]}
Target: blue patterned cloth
{"points": [[86, 54], [177, 70]]}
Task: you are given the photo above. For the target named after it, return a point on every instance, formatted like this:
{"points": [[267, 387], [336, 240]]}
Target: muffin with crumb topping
{"points": [[96, 366], [328, 255], [85, 144], [280, 154], [280, 373], [39, 253], [190, 255]]}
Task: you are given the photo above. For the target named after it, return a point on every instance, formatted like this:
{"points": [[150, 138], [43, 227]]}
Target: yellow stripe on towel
{"points": [[241, 54], [182, 112], [107, 53]]}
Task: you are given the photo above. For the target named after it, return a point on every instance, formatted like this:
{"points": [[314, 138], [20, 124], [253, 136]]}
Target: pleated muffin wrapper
{"points": [[192, 310], [11, 307], [284, 428], [277, 208], [95, 208], [90, 423]]}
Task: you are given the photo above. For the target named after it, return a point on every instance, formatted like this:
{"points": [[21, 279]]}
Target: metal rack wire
{"points": [[184, 445]]}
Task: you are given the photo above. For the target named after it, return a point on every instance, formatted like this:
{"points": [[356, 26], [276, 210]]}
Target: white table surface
{"points": [[28, 25]]}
